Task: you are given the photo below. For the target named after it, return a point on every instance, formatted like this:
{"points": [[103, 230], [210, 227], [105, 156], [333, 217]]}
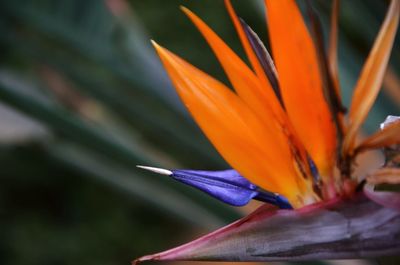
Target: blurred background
{"points": [[84, 99]]}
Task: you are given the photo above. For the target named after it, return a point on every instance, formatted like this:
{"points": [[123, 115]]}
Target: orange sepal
{"points": [[260, 154], [370, 81], [388, 136], [259, 97], [247, 46], [254, 90], [300, 81]]}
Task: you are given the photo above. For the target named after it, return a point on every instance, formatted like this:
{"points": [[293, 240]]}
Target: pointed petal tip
{"points": [[192, 16], [161, 51], [155, 45], [141, 259], [157, 170], [185, 9]]}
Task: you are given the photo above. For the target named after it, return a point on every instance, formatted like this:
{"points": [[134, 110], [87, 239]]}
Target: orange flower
{"points": [[278, 124]]}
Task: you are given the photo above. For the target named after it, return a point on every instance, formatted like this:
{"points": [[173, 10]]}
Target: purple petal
{"points": [[228, 186]]}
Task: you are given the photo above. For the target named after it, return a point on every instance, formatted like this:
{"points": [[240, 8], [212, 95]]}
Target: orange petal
{"points": [[333, 64], [258, 97], [387, 136], [247, 46], [259, 153], [300, 82], [370, 81]]}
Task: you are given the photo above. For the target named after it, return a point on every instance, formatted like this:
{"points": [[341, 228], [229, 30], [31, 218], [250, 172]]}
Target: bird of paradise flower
{"points": [[285, 132]]}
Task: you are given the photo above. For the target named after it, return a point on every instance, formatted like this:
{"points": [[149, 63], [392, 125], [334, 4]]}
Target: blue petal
{"points": [[228, 186]]}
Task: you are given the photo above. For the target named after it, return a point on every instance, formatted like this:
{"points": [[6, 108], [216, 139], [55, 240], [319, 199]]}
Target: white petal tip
{"points": [[161, 171], [389, 119]]}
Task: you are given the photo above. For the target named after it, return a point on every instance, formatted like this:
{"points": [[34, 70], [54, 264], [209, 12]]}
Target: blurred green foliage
{"points": [[84, 99]]}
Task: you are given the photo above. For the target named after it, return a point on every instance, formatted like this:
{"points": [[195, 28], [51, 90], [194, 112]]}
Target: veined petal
{"points": [[259, 153], [300, 81], [370, 81]]}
